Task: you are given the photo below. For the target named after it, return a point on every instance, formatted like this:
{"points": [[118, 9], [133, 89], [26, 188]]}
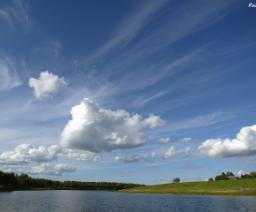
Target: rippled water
{"points": [[114, 201]]}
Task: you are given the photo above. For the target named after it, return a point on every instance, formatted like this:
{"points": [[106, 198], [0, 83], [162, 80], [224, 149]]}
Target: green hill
{"points": [[220, 187]]}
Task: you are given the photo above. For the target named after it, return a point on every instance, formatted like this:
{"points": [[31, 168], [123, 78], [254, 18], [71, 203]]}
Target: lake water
{"points": [[94, 201]]}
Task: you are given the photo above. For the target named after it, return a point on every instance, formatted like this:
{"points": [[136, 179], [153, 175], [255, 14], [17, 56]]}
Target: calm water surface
{"points": [[113, 201]]}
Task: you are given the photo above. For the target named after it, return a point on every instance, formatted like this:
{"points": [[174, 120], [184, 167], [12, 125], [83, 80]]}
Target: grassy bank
{"points": [[220, 187]]}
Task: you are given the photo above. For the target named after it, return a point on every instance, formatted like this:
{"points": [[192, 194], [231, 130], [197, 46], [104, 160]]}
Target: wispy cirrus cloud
{"points": [[8, 73], [198, 121], [145, 77], [131, 26], [144, 100], [15, 12], [4, 15], [192, 16], [49, 49]]}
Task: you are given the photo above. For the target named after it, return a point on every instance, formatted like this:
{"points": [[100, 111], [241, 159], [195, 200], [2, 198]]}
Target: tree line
{"points": [[9, 181], [226, 176], [231, 176]]}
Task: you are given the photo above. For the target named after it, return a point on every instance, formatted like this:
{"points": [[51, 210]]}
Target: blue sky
{"points": [[169, 87]]}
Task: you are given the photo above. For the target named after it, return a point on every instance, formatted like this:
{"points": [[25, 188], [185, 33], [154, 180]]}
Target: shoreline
{"points": [[195, 193], [53, 189], [237, 187]]}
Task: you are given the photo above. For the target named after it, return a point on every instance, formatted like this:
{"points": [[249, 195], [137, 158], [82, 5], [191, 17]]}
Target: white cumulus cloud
{"points": [[31, 159], [244, 144], [148, 157], [25, 153], [73, 154], [154, 121], [47, 84], [50, 169], [164, 140], [170, 152], [128, 158], [186, 139], [98, 129], [42, 169]]}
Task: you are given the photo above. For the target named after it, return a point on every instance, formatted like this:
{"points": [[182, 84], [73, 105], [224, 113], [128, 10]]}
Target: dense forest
{"points": [[12, 181]]}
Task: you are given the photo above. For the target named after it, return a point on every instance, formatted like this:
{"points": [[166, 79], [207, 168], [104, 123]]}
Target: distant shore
{"points": [[224, 184], [52, 189], [220, 187], [15, 182]]}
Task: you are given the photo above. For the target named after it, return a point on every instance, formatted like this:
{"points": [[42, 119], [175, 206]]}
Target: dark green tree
{"points": [[176, 180]]}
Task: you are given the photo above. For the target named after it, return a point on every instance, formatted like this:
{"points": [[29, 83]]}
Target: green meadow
{"points": [[220, 187]]}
